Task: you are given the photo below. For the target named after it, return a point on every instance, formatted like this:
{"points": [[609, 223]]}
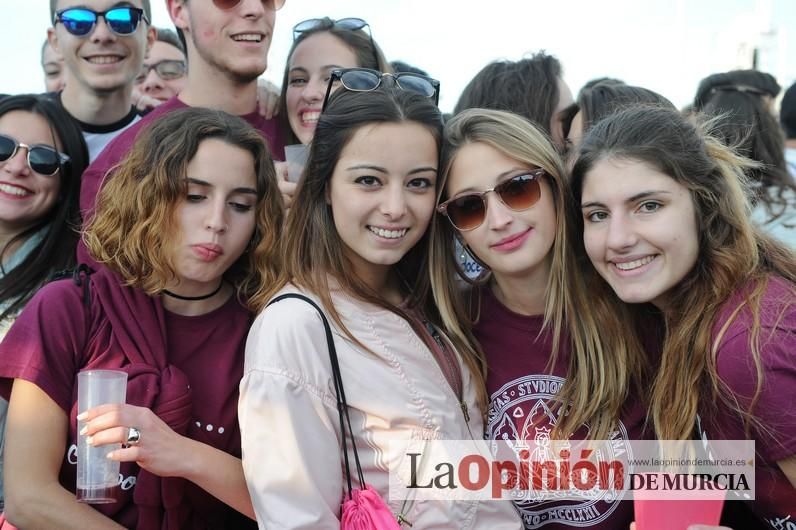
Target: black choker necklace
{"points": [[193, 298]]}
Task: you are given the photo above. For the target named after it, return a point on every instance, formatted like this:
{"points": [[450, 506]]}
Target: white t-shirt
{"points": [[98, 136]]}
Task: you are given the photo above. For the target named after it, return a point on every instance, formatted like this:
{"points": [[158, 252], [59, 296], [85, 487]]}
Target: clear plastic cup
{"points": [[296, 157], [97, 476]]}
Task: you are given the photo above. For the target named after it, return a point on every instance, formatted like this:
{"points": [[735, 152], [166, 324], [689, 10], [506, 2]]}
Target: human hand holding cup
{"points": [[97, 475]]}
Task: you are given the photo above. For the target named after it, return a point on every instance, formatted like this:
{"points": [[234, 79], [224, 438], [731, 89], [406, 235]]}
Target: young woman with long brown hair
{"points": [[661, 220], [356, 245]]}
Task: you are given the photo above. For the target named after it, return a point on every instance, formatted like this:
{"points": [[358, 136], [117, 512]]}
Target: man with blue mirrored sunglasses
{"points": [[103, 43]]}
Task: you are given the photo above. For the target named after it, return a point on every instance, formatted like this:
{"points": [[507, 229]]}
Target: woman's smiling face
{"points": [[640, 229]]}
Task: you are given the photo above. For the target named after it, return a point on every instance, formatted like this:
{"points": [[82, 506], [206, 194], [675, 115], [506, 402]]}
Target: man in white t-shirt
{"points": [[103, 43]]}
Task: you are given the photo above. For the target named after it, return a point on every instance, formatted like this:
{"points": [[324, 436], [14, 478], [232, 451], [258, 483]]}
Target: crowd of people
{"points": [[279, 337]]}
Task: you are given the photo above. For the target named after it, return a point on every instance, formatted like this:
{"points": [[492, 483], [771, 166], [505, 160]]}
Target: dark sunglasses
{"points": [[468, 211], [350, 24], [167, 70], [42, 159], [367, 80], [226, 5], [80, 21]]}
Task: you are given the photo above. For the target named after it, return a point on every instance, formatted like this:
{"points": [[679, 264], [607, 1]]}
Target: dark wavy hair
{"points": [[746, 124], [528, 87], [787, 112], [56, 250], [367, 52], [601, 100]]}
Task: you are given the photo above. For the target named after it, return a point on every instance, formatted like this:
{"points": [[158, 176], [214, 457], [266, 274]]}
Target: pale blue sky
{"points": [[665, 45]]}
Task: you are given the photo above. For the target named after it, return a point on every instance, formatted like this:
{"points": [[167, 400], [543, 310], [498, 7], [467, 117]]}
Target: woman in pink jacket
{"points": [[356, 246]]}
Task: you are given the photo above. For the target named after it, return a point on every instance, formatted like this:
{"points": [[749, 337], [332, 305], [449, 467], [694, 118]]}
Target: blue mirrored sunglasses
{"points": [[80, 21]]}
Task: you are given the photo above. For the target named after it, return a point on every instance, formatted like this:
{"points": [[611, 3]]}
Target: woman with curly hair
{"points": [[184, 236]]}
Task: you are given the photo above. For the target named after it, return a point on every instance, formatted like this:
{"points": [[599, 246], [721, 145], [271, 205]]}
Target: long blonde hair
{"points": [[733, 254], [518, 139]]}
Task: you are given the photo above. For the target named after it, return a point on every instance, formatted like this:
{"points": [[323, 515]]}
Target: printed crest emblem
{"points": [[521, 411]]}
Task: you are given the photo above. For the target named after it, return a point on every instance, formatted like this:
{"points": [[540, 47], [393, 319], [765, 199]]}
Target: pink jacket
{"points": [[289, 422]]}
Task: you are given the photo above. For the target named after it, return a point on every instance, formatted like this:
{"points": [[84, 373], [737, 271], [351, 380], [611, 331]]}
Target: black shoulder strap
{"points": [[342, 405], [79, 275]]}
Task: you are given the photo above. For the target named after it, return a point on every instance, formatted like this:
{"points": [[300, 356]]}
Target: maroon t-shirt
{"points": [[115, 151], [775, 498], [520, 389], [57, 335]]}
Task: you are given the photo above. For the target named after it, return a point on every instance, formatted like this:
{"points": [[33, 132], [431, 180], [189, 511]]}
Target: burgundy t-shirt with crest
{"points": [[520, 389]]}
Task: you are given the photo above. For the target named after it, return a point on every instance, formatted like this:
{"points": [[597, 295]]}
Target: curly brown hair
{"points": [[134, 219]]}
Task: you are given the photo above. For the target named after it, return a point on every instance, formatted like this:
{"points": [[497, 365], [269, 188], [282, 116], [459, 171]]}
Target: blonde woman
{"points": [[503, 194]]}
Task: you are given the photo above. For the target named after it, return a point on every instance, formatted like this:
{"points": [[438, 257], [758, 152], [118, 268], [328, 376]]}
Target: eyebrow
{"points": [[635, 198], [206, 184], [324, 67], [382, 170], [422, 170], [500, 177], [367, 166]]}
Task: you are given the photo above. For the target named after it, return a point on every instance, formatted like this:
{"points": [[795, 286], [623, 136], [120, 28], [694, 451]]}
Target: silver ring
{"points": [[133, 436]]}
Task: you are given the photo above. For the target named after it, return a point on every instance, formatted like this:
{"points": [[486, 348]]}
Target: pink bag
{"points": [[364, 509]]}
